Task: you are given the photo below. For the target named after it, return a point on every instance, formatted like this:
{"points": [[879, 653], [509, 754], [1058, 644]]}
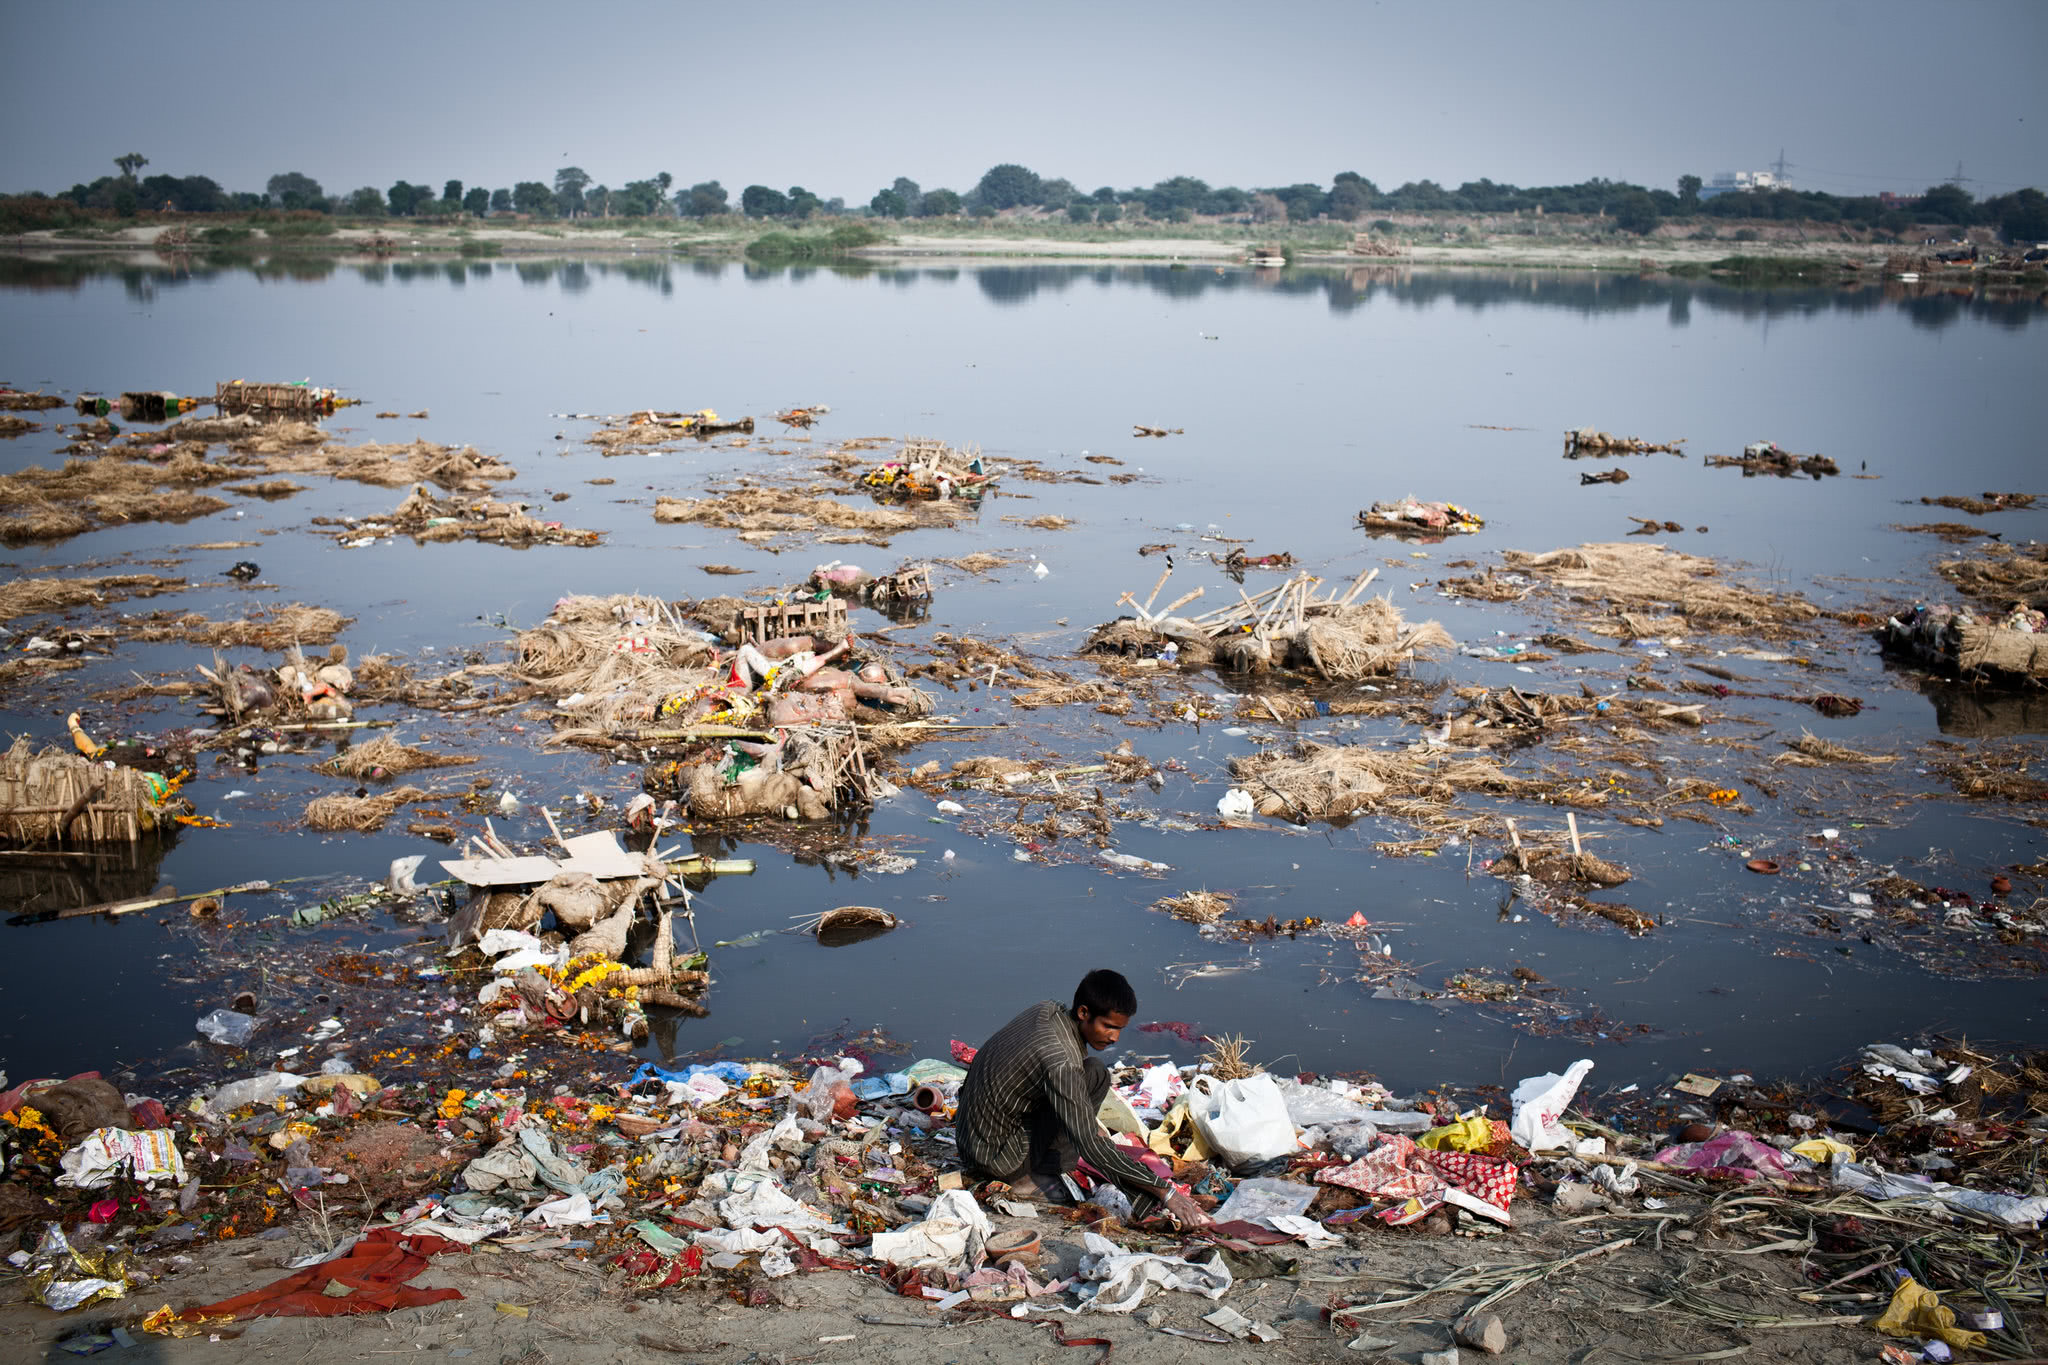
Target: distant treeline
{"points": [[1015, 190]]}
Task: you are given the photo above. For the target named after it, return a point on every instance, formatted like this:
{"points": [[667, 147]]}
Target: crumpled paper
{"points": [[951, 1235], [151, 1155], [1122, 1277]]}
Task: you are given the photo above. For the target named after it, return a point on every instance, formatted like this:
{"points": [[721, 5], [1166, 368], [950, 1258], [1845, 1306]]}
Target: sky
{"points": [[843, 98]]}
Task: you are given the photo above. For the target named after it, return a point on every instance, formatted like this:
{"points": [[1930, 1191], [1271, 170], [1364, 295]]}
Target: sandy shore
{"points": [[1488, 252]]}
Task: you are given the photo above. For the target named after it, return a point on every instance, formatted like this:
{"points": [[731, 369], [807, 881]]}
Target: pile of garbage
{"points": [[778, 723], [2011, 648], [494, 521], [930, 469], [1767, 457], [1648, 591], [1338, 638], [1580, 442], [649, 428], [1412, 516], [730, 1177]]}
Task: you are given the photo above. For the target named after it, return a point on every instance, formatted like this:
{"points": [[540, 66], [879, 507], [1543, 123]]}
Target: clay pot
{"points": [[1768, 867]]}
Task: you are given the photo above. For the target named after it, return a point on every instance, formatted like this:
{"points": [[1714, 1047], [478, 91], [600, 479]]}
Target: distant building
{"points": [[1728, 182]]}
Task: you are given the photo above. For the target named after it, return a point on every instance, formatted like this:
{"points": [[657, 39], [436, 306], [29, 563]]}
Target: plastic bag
{"points": [[1244, 1121], [1539, 1101], [230, 1028], [1258, 1201], [831, 1093], [264, 1089], [1348, 1140], [1309, 1105]]}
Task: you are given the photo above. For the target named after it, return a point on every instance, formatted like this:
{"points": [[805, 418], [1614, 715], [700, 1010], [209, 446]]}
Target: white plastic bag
{"points": [[1244, 1121], [1539, 1101]]}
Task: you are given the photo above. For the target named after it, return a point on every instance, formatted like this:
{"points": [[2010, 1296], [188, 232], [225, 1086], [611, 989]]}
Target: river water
{"points": [[1302, 396]]}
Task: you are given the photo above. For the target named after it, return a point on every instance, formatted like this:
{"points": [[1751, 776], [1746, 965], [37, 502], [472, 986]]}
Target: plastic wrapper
{"points": [[63, 1278], [229, 1028], [265, 1089], [1121, 1278], [1261, 1200]]}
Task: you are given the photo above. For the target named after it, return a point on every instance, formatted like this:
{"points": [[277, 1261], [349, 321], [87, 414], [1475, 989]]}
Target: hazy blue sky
{"points": [[841, 98]]}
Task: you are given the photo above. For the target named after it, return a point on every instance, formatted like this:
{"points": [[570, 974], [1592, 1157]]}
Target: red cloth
{"points": [[963, 1054], [376, 1268]]}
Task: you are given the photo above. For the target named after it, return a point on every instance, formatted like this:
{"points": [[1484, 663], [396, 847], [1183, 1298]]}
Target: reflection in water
{"points": [[1342, 289], [1975, 713]]}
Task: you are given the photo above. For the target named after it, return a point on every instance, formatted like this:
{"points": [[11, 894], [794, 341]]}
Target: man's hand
{"points": [[1183, 1210]]}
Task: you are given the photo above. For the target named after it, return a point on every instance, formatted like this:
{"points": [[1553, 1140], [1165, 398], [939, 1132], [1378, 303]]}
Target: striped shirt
{"points": [[1034, 1060]]}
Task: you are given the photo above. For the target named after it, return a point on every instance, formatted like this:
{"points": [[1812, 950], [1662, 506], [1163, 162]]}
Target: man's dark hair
{"points": [[1102, 992]]}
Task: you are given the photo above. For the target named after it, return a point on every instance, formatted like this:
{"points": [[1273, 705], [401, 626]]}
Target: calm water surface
{"points": [[1304, 396]]}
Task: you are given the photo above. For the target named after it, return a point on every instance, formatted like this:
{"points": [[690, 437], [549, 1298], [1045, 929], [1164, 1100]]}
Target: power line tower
{"points": [[1780, 166], [1958, 178]]}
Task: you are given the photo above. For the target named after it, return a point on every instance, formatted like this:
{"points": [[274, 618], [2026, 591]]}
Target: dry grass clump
{"points": [[391, 755], [37, 520], [17, 426], [275, 628], [1631, 580], [1990, 502], [1811, 751], [460, 469], [12, 400], [1228, 1059], [2000, 774], [2002, 574], [427, 518], [1364, 641], [271, 488], [361, 813], [1329, 782], [45, 504], [1196, 907], [576, 651], [1955, 532], [779, 510], [979, 562], [28, 596]]}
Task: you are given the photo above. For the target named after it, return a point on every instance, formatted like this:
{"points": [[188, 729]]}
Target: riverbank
{"points": [[1802, 256]]}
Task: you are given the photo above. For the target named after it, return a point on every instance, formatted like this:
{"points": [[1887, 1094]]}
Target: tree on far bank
{"points": [[130, 164], [501, 201], [477, 202], [888, 204], [2022, 215], [1945, 204], [367, 202], [802, 203], [705, 199], [569, 183], [1009, 186], [758, 201], [534, 199], [1689, 192], [291, 190], [1268, 208], [939, 203], [1635, 211], [405, 198], [909, 189]]}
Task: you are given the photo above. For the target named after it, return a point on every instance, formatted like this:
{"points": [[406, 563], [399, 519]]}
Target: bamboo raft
{"points": [[297, 400], [53, 796]]}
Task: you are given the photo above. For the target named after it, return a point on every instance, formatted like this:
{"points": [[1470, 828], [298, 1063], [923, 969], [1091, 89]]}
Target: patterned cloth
{"points": [[1398, 1168]]}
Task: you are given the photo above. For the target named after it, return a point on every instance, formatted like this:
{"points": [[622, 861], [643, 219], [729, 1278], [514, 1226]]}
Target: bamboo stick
{"points": [[1571, 821], [1177, 602], [1364, 582], [1154, 596]]}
